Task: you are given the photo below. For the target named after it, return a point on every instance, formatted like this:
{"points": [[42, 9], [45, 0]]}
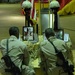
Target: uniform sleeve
{"points": [[3, 47], [69, 53], [26, 56], [70, 56], [43, 63]]}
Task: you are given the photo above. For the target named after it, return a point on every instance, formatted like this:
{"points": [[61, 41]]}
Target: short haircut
{"points": [[49, 32], [14, 31]]}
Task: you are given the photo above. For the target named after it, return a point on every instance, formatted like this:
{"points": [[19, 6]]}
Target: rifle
{"points": [[11, 67], [66, 67]]}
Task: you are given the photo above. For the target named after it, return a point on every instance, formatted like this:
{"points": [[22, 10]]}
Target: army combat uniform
{"points": [[16, 50], [49, 58]]}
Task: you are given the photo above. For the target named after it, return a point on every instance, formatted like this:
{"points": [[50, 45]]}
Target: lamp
{"points": [[26, 5], [54, 6]]}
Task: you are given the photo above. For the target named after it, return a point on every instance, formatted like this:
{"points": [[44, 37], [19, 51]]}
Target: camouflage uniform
{"points": [[49, 58], [16, 49]]}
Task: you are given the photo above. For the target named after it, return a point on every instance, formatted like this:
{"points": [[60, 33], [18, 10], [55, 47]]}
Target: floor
{"points": [[10, 14]]}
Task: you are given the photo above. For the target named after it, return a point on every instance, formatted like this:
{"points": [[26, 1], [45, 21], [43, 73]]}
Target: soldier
{"points": [[49, 60], [17, 51]]}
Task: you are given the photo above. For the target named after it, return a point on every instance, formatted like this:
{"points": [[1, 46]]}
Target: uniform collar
{"points": [[12, 37], [52, 38]]}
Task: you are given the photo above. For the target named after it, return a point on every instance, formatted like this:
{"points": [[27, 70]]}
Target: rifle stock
{"points": [[66, 67]]}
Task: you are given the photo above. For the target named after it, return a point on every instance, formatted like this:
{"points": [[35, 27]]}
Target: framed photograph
{"points": [[28, 33], [66, 37], [59, 34]]}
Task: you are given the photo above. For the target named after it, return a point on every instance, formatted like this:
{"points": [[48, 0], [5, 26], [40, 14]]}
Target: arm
{"points": [[26, 56], [43, 63], [69, 53]]}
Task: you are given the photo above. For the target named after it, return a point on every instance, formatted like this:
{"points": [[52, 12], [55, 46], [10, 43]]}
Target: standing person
{"points": [[49, 60], [17, 51]]}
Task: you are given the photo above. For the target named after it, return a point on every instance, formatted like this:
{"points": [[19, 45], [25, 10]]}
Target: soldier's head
{"points": [[49, 32], [14, 31]]}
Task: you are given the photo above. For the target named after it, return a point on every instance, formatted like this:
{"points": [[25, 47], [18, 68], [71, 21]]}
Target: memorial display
{"points": [[28, 33]]}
